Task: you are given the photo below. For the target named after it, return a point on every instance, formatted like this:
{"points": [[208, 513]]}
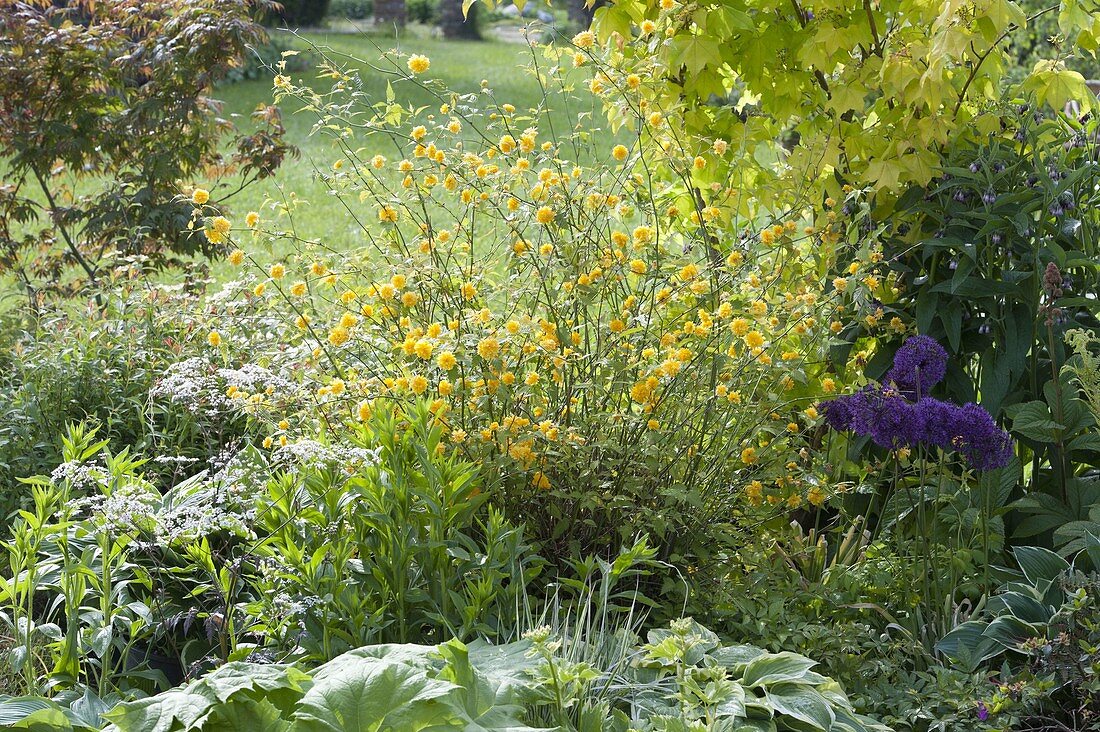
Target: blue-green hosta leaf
{"points": [[734, 704], [966, 646], [1041, 566], [775, 668], [733, 656], [366, 694], [801, 702], [1024, 606], [32, 713], [89, 709], [1010, 631], [755, 725]]}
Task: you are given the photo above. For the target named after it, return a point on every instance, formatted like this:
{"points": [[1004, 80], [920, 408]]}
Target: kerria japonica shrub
{"points": [[614, 356], [898, 414]]}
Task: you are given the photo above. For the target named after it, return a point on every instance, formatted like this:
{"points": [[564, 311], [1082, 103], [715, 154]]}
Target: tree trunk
{"points": [[390, 13], [456, 26], [580, 14]]}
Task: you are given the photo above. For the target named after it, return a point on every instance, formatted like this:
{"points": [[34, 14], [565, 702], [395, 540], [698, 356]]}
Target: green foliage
{"points": [[70, 365], [1044, 624], [313, 552], [867, 94], [1085, 367], [423, 11], [971, 252], [997, 260], [104, 115], [402, 550], [686, 678], [1044, 37], [300, 13], [261, 60], [352, 9]]}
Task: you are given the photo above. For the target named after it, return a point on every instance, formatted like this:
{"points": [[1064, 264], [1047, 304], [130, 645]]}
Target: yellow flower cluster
{"points": [[560, 316]]}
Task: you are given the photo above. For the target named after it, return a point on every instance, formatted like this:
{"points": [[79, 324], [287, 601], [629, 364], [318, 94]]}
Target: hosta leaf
{"points": [[736, 655], [775, 668], [32, 713], [801, 702], [1010, 631], [1040, 566], [966, 646]]}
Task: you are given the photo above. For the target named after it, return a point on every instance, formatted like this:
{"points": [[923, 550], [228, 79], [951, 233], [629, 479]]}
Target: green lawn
{"points": [[461, 65]]}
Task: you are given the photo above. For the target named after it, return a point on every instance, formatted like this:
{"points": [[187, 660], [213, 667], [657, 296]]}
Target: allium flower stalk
{"points": [[896, 415]]}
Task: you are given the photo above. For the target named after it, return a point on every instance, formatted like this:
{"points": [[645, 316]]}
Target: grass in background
{"points": [[462, 65]]}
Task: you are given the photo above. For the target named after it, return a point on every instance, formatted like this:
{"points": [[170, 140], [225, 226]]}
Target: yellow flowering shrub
{"points": [[615, 357]]}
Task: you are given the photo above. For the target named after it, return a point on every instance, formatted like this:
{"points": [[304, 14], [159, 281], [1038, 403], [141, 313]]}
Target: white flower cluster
{"points": [[313, 454], [128, 510], [224, 502], [195, 520], [206, 390], [81, 476]]}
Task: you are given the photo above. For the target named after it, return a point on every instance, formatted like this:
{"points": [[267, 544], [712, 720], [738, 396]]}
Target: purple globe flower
{"points": [[838, 413], [891, 421], [984, 445], [919, 364]]}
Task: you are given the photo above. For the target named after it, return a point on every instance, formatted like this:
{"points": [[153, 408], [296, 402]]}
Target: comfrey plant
{"points": [[899, 414]]}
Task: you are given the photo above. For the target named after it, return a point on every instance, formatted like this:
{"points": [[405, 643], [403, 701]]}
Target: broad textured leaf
{"points": [[736, 655], [1010, 631], [801, 702], [248, 714], [775, 668], [966, 646], [162, 712], [370, 694], [1040, 566], [33, 713]]}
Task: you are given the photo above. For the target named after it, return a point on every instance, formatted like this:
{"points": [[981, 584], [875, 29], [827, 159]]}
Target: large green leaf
{"points": [[239, 676], [368, 694], [967, 646], [484, 705], [801, 702], [34, 713], [247, 714], [1033, 421], [161, 713], [1010, 631], [1041, 566], [776, 668]]}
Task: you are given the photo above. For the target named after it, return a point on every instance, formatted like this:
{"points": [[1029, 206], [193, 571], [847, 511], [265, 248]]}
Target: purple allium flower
{"points": [[897, 423], [919, 364], [883, 415], [984, 445], [838, 413], [939, 417], [891, 421]]}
